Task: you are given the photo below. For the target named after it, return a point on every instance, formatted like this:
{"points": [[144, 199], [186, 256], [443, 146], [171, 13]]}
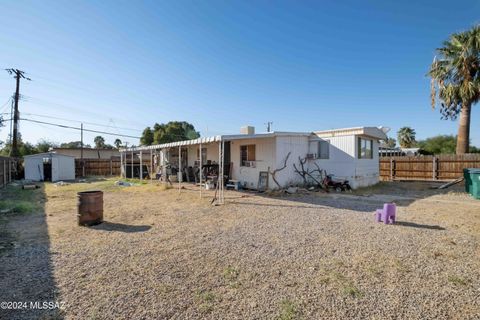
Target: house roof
{"points": [[373, 132], [47, 154], [206, 140]]}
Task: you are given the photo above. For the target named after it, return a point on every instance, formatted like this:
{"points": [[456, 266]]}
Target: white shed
{"points": [[49, 167]]}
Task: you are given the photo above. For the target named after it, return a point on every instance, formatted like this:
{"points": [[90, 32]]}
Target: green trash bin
{"points": [[468, 180], [475, 183]]}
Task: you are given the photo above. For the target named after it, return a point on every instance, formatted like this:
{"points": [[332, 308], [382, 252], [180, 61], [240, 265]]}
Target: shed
{"points": [[49, 166]]}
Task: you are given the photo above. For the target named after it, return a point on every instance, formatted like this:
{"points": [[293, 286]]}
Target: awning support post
{"points": [[141, 165]]}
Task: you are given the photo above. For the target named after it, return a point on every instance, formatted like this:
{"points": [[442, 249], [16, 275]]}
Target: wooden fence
{"points": [[102, 167], [441, 168], [7, 170], [97, 167]]}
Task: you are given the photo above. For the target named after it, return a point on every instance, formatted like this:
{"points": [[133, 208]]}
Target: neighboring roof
{"points": [[84, 149], [47, 154], [373, 132]]}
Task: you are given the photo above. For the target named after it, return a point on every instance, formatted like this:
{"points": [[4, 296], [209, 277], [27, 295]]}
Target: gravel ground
{"points": [[162, 254]]}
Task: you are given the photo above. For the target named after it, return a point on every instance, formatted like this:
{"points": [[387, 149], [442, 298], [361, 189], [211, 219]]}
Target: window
{"points": [[204, 156], [365, 148], [247, 155], [323, 149]]}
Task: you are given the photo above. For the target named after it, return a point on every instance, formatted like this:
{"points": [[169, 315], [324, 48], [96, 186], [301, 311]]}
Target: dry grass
{"points": [[167, 254]]}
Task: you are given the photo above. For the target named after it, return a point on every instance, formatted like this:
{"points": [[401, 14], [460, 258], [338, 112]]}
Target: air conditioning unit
{"points": [[311, 156], [250, 164]]}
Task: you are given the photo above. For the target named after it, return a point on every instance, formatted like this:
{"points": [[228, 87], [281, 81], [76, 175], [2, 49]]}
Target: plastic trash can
{"points": [[468, 180], [475, 183]]}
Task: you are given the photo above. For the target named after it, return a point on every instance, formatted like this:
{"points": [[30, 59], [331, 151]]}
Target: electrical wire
{"points": [[76, 128], [79, 121]]}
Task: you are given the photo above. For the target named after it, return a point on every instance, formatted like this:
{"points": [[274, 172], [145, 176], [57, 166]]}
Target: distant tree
{"points": [[24, 148], [147, 137], [474, 149], [99, 142], [117, 143], [44, 145], [173, 131], [441, 144], [74, 144], [391, 142], [406, 137], [456, 81]]}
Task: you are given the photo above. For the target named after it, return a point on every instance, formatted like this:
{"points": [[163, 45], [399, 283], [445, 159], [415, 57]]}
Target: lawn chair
{"points": [[387, 214]]}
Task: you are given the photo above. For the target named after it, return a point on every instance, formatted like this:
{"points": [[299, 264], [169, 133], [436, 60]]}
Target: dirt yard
{"points": [[162, 254]]}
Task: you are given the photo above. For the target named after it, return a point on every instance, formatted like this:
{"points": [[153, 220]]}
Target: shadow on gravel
{"points": [[371, 198], [416, 225], [26, 268], [111, 226]]}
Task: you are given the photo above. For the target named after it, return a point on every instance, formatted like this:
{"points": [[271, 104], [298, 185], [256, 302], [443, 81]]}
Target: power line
{"points": [[76, 128], [78, 121]]}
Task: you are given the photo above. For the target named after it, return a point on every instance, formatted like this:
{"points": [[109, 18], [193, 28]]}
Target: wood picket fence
{"points": [[7, 170], [430, 168]]}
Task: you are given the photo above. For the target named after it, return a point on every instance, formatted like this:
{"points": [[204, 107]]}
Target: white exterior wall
{"points": [[298, 147], [341, 162], [265, 159], [344, 163], [65, 169], [212, 153], [31, 168], [367, 171]]}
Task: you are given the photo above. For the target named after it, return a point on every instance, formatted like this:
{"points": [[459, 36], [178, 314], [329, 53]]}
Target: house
{"points": [[88, 153], [350, 153], [49, 166]]}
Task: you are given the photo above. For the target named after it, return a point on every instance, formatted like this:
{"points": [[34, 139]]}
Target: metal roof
{"points": [[368, 131], [47, 154], [373, 132]]}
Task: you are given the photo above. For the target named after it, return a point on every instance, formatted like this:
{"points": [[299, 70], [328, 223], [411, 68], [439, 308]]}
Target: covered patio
{"points": [[202, 162]]}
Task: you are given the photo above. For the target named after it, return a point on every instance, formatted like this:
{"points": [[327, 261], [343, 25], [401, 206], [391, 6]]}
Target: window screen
{"points": [[365, 148], [247, 154], [324, 149]]}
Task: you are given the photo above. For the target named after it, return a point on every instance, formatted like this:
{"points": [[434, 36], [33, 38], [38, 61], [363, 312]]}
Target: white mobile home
{"points": [[350, 154], [49, 167]]}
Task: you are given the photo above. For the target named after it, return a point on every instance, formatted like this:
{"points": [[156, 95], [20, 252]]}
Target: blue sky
{"points": [[222, 64]]}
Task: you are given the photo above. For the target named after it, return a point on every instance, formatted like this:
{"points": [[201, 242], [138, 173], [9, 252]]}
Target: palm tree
{"points": [[117, 143], [406, 137], [456, 81]]}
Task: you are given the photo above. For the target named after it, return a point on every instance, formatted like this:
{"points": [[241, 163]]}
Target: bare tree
{"points": [[304, 173], [274, 172]]}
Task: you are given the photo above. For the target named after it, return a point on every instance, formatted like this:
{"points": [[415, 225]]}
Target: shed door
{"points": [[55, 166]]}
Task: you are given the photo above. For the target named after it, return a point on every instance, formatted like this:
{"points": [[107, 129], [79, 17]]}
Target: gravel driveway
{"points": [[170, 255]]}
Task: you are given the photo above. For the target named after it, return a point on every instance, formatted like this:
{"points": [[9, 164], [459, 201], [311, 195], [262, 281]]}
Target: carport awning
{"points": [[198, 141]]}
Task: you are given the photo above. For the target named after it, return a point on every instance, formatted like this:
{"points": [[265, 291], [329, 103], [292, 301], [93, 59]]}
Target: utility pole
{"points": [[18, 74], [81, 149]]}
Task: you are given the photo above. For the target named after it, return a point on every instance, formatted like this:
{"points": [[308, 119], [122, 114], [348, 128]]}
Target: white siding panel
{"points": [[341, 162], [66, 168], [265, 159], [34, 169], [298, 147]]}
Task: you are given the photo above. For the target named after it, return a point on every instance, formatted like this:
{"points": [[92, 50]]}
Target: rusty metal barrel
{"points": [[90, 208]]}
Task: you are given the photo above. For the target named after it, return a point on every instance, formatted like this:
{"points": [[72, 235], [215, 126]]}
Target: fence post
{"points": [[111, 168], [9, 171], [434, 168], [4, 174], [391, 169]]}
